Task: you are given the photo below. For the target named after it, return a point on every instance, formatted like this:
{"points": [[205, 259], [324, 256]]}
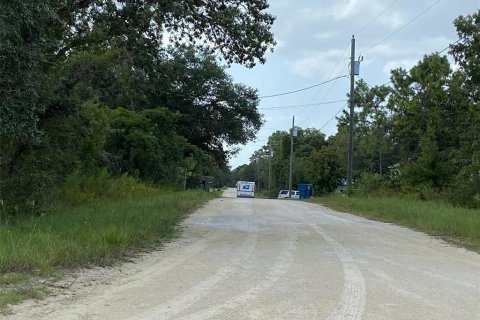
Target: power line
{"points": [[438, 52], [257, 146], [343, 56], [348, 45], [451, 44], [302, 105], [303, 89], [402, 27], [326, 123], [376, 17]]}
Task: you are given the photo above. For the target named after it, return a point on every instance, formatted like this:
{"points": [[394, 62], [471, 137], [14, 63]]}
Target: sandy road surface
{"points": [[278, 259]]}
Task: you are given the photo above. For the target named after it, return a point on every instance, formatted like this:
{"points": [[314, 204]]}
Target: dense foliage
{"points": [[419, 135], [315, 161], [137, 87]]}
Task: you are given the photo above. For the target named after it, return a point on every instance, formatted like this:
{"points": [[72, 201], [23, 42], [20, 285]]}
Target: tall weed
{"points": [[104, 220], [434, 217]]}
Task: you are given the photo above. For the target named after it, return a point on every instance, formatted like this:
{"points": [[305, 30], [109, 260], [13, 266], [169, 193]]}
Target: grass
{"points": [[17, 287], [454, 224], [89, 226]]}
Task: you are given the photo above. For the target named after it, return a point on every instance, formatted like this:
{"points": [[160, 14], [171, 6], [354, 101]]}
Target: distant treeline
{"points": [[418, 135]]}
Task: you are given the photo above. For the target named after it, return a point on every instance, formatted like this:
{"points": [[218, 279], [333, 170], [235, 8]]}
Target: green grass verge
{"points": [[106, 229], [454, 224], [16, 287]]}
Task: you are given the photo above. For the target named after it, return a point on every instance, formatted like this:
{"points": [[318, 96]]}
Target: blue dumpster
{"points": [[306, 190]]}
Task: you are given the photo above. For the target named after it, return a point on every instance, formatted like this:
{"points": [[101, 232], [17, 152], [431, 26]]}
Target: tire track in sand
{"points": [[178, 304], [351, 304], [280, 268]]}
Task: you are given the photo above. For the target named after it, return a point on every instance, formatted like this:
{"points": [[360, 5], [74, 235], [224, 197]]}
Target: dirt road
{"points": [[278, 259]]}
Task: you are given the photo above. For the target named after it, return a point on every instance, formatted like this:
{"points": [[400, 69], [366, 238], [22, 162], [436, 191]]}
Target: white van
{"points": [[245, 189], [283, 194]]}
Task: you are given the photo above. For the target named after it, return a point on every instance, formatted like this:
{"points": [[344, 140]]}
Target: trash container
{"points": [[306, 190]]}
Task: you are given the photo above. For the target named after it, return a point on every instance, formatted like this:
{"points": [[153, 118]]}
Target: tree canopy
{"points": [[138, 87], [418, 135]]}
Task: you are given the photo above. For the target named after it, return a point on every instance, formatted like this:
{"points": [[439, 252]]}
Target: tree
{"points": [[71, 142], [145, 144], [465, 51], [215, 112], [309, 151], [26, 45], [238, 30], [465, 91], [372, 143], [325, 170], [48, 33]]}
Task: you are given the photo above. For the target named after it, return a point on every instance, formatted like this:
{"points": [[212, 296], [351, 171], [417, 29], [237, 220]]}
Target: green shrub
{"points": [[373, 184], [465, 188], [80, 188]]}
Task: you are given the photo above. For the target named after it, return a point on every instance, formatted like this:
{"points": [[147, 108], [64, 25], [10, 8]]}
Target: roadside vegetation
{"points": [[135, 88], [103, 121], [95, 221], [416, 137], [454, 224], [112, 114], [416, 159]]}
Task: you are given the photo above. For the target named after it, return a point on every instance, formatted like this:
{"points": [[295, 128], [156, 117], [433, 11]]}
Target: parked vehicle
{"points": [[283, 194], [245, 189]]}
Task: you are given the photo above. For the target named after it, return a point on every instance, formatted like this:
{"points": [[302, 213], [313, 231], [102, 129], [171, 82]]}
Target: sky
{"points": [[313, 46]]}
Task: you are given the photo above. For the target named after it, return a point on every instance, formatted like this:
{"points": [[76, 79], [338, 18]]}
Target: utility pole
{"points": [[352, 106], [258, 174], [270, 154], [292, 133]]}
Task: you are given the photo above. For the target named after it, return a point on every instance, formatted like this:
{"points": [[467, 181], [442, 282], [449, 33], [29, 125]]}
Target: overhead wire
{"points": [[301, 105], [302, 89], [376, 17], [334, 68], [362, 51], [438, 52], [343, 56], [347, 47], [335, 115], [402, 27], [405, 25], [447, 47]]}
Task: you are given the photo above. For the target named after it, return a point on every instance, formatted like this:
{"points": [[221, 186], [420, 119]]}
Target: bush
{"points": [[465, 188], [80, 188], [31, 174], [374, 184]]}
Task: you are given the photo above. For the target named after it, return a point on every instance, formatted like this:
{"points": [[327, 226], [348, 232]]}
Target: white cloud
{"points": [[363, 11], [317, 63], [394, 64], [325, 35], [280, 44], [406, 49], [342, 11], [339, 10], [392, 20], [315, 35]]}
